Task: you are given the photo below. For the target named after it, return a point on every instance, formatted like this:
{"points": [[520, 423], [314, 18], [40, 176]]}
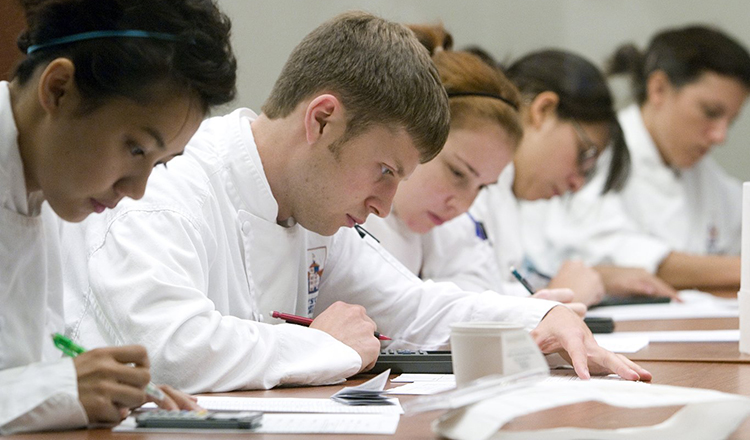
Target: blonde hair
{"points": [[378, 70]]}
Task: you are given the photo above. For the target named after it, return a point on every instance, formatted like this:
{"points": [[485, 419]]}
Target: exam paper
{"points": [[424, 377], [690, 336], [707, 414], [631, 342], [624, 342], [695, 304], [368, 393], [422, 388], [438, 383], [293, 405], [385, 424]]}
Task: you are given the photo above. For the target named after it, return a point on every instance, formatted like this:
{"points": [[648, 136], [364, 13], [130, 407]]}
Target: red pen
{"points": [[301, 320]]}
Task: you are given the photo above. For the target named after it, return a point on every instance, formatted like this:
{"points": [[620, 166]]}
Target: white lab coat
{"points": [[193, 269], [496, 208], [659, 210], [38, 388], [451, 252]]}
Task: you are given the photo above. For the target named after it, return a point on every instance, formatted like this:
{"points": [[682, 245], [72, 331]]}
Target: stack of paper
{"points": [[368, 393]]}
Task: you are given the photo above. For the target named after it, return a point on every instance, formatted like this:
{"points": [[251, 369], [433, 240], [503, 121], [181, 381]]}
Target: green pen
{"points": [[70, 348]]}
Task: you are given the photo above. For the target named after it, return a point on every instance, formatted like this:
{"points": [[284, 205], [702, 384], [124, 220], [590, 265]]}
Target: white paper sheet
{"points": [[695, 305], [424, 377], [690, 336], [293, 405], [428, 387], [422, 388], [385, 424], [623, 342], [368, 393], [708, 414], [573, 377]]}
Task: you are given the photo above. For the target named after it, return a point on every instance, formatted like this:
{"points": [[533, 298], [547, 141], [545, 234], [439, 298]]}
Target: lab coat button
{"points": [[246, 228]]}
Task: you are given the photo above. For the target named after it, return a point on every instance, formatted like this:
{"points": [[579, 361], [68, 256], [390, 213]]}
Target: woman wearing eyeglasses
{"points": [[679, 215], [568, 121]]}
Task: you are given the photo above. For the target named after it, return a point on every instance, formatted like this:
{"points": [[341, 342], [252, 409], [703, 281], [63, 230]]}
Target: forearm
{"points": [[415, 314], [199, 349], [686, 271]]}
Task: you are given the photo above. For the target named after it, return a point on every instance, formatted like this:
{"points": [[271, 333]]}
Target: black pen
{"points": [[522, 280]]}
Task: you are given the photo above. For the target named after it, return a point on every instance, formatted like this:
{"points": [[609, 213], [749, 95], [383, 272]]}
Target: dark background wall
{"points": [[12, 23]]}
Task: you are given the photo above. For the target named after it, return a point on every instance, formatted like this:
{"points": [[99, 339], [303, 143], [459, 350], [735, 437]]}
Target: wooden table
{"points": [[717, 366], [727, 377]]}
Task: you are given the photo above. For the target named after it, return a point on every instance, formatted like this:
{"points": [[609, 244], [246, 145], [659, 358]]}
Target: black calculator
{"points": [[199, 419], [414, 361], [600, 325]]}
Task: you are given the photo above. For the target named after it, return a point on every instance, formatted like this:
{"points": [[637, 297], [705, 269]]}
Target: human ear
{"points": [[542, 107], [321, 115], [657, 86], [57, 85]]}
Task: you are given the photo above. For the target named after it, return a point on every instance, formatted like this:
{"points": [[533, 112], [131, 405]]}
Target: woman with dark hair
{"points": [[679, 214], [108, 90], [568, 122]]}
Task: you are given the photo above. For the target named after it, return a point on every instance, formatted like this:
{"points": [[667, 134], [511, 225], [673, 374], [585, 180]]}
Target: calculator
{"points": [[413, 361], [612, 300], [199, 419], [600, 325]]}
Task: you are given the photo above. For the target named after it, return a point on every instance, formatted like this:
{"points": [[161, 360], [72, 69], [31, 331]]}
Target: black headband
{"points": [[486, 95]]}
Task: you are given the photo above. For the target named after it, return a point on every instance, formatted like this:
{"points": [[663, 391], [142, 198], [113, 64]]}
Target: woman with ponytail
{"points": [[678, 214]]}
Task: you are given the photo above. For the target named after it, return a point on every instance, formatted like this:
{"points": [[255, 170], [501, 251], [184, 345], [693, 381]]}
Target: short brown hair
{"points": [[378, 70]]}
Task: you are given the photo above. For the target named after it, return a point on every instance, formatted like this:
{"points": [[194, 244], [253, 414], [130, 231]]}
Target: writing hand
{"points": [[350, 324]]}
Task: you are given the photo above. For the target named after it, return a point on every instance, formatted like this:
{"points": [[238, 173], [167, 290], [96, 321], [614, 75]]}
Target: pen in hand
{"points": [[522, 280], [301, 320], [71, 349]]}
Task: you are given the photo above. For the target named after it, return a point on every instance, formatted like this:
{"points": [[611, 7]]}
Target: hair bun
{"points": [[626, 59]]}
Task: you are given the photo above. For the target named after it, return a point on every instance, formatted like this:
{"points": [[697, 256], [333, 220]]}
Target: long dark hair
{"points": [[683, 54], [584, 97], [198, 61]]}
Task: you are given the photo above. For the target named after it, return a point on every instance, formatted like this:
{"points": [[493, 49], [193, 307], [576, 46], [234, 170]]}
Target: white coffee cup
{"points": [[479, 349]]}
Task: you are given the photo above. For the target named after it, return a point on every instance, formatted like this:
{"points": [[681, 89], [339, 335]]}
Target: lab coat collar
{"points": [[642, 147], [12, 181], [253, 192], [506, 178]]}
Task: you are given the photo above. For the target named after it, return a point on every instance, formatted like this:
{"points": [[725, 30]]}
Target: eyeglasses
{"points": [[587, 155]]}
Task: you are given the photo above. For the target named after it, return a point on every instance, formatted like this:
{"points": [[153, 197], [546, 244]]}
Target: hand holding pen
{"points": [[112, 379], [349, 324], [71, 349], [301, 320]]}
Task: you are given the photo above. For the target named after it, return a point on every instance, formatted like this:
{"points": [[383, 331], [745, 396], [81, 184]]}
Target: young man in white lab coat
{"points": [[249, 222]]}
